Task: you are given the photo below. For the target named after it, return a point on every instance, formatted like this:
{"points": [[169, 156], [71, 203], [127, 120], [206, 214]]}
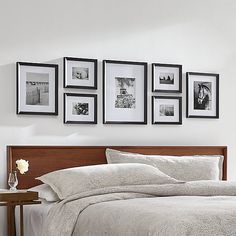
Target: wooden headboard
{"points": [[44, 159]]}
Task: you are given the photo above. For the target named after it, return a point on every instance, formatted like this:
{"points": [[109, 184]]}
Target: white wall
{"points": [[198, 34]]}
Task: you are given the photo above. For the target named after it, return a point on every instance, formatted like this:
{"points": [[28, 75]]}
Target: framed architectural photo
{"points": [[80, 108], [166, 110], [80, 73], [202, 95], [124, 92], [166, 78], [37, 88]]}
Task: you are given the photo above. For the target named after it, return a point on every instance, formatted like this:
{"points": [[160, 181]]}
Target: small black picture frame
{"points": [[124, 92], [202, 95], [36, 88], [80, 108], [80, 73], [166, 78], [166, 111]]}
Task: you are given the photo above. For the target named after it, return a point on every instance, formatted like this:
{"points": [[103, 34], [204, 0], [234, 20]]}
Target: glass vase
{"points": [[13, 181]]}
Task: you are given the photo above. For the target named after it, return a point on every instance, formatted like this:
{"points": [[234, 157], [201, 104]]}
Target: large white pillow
{"points": [[71, 181], [186, 168], [45, 192]]}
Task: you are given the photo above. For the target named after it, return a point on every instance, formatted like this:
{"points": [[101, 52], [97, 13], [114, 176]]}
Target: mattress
{"points": [[34, 216]]}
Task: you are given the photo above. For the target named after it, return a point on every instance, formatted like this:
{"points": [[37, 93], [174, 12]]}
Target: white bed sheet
{"points": [[34, 216]]}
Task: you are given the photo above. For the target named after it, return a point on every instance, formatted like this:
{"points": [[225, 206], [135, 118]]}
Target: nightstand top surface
{"points": [[18, 196]]}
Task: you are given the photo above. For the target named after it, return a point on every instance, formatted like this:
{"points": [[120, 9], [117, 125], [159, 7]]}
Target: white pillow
{"points": [[45, 192], [186, 168], [71, 181]]}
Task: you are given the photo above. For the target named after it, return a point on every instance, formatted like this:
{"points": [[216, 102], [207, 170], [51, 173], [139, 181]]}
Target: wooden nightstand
{"points": [[11, 200]]}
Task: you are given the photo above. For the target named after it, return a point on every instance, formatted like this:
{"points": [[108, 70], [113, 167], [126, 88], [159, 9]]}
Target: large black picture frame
{"points": [[19, 91], [189, 95], [144, 65]]}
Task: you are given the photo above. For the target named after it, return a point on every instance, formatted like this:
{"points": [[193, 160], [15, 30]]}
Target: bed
{"points": [[116, 213]]}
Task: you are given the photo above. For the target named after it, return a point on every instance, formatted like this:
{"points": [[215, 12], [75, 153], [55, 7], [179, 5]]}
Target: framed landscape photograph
{"points": [[166, 110], [124, 92], [37, 88], [80, 108], [166, 78], [80, 73], [202, 95]]}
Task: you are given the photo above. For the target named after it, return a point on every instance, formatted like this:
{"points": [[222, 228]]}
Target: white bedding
{"points": [[34, 216], [162, 216], [201, 208]]}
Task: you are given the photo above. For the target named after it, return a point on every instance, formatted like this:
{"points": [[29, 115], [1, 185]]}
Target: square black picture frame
{"points": [[165, 109], [166, 78], [81, 108], [80, 73], [36, 88], [200, 93], [126, 70]]}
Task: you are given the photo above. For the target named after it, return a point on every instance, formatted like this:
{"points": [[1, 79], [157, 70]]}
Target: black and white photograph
{"points": [[202, 95], [80, 73], [166, 110], [124, 92], [37, 88], [80, 108], [166, 78]]}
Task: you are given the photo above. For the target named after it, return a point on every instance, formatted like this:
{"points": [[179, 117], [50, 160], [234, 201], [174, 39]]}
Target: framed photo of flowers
{"points": [[202, 95], [166, 110], [37, 88], [80, 73], [124, 92], [166, 78], [80, 108]]}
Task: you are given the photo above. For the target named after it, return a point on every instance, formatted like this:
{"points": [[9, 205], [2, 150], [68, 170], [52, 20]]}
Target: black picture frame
{"points": [[66, 84], [144, 75], [179, 122], [94, 96], [178, 66], [21, 111], [188, 103]]}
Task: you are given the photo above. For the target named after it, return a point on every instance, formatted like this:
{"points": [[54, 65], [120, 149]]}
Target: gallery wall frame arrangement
{"points": [[166, 78], [80, 73], [166, 110], [202, 95], [36, 88], [124, 92], [80, 108]]}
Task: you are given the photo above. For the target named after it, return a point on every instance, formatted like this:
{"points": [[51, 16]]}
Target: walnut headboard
{"points": [[44, 159]]}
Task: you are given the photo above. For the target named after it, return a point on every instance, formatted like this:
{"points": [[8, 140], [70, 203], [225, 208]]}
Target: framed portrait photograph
{"points": [[202, 95], [166, 110], [80, 108], [80, 73], [124, 92], [37, 88], [166, 78]]}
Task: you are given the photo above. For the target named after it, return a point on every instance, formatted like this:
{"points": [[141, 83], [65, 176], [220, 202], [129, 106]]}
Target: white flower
{"points": [[22, 166]]}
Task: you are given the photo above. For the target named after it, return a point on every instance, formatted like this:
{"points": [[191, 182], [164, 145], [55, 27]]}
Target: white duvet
{"points": [[200, 208]]}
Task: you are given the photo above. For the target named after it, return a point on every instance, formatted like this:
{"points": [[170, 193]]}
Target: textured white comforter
{"points": [[200, 208]]}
